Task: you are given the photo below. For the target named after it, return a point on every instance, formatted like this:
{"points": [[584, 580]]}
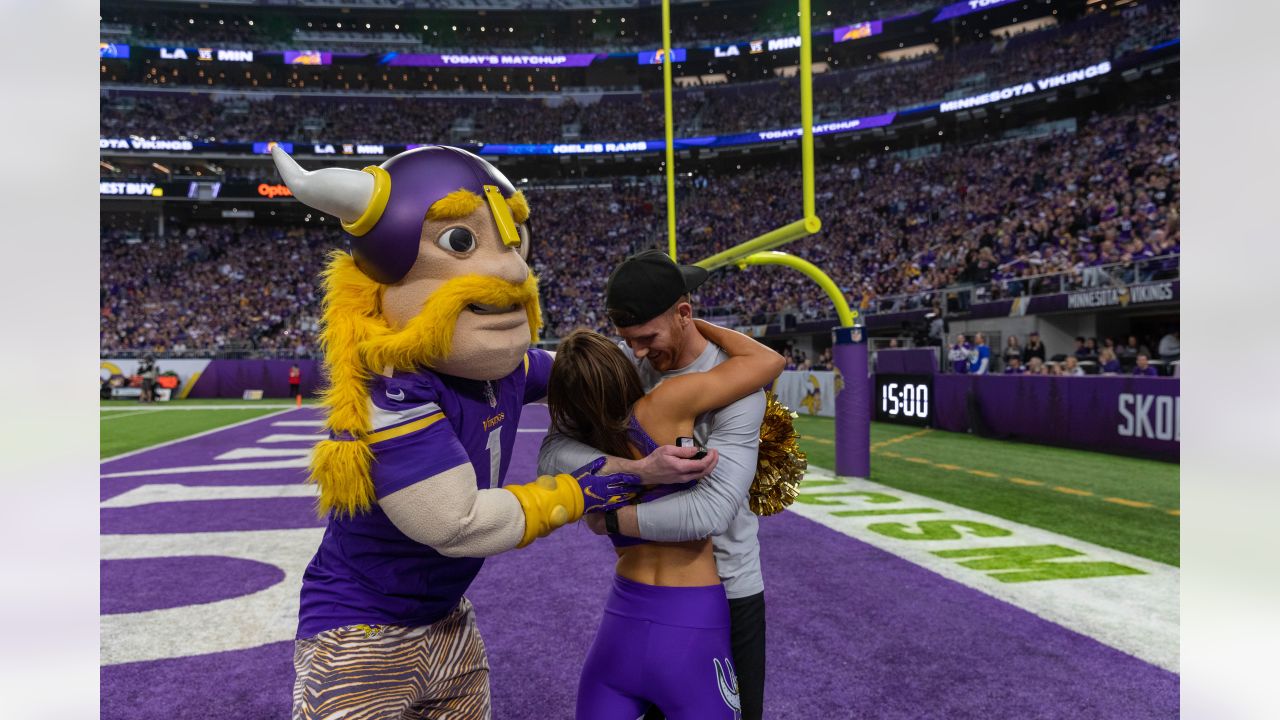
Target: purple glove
{"points": [[605, 492]]}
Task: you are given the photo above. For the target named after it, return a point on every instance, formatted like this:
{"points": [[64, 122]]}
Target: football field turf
{"points": [[882, 599], [127, 425], [1123, 503]]}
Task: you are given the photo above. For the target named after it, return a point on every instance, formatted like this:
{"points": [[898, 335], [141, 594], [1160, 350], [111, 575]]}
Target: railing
{"points": [[238, 352], [958, 299]]}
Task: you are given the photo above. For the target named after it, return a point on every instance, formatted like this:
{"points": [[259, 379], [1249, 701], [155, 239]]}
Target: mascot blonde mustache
{"points": [[426, 333]]}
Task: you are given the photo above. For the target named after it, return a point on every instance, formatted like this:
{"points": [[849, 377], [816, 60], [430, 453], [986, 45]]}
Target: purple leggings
{"points": [[666, 647]]}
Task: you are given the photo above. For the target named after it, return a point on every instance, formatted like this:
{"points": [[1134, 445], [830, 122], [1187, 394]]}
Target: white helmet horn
{"points": [[341, 192]]}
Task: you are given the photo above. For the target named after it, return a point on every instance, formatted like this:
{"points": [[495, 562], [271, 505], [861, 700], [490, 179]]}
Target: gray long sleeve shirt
{"points": [[717, 506]]}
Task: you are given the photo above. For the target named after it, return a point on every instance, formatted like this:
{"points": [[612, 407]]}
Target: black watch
{"points": [[611, 522]]}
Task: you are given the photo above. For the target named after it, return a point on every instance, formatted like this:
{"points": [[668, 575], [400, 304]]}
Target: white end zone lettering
{"points": [[1121, 600]]}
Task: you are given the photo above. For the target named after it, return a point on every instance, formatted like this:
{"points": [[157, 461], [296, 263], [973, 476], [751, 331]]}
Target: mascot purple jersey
{"points": [[366, 570]]}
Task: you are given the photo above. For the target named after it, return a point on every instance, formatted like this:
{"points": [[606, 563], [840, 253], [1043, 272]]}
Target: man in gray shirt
{"points": [[648, 301]]}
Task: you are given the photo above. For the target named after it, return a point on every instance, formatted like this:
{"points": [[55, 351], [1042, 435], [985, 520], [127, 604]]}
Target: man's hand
{"points": [[671, 465]]}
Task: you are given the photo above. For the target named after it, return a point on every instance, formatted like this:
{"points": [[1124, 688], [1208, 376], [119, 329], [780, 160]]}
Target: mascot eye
{"points": [[457, 240]]}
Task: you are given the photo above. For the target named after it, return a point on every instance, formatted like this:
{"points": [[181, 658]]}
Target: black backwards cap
{"points": [[646, 285]]}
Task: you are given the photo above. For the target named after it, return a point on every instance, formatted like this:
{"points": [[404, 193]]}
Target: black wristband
{"points": [[611, 522]]}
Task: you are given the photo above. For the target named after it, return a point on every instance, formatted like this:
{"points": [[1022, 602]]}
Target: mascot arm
{"points": [[447, 512]]}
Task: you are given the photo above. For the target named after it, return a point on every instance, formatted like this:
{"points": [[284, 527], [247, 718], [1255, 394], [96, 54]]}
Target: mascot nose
{"points": [[512, 268]]}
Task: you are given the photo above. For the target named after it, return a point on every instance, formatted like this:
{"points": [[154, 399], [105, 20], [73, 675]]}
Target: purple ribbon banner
{"points": [[490, 60]]}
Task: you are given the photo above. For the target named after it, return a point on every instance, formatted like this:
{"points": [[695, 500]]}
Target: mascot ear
{"points": [[340, 192]]}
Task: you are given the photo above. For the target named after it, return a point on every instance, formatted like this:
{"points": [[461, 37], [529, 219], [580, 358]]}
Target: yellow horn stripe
{"points": [[378, 203], [502, 216]]}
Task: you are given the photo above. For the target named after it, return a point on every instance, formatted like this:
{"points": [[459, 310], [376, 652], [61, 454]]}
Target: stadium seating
{"points": [[1057, 204]]}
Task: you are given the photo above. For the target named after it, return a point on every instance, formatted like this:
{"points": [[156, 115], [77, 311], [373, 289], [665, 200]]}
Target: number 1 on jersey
{"points": [[495, 455]]}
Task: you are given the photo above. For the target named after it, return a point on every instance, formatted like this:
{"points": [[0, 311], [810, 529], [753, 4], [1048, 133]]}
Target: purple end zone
{"points": [[212, 516], [254, 684], [203, 451], [853, 631], [138, 585]]}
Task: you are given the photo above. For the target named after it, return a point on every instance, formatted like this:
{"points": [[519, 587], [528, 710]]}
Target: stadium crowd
{"points": [[212, 288], [898, 233], [738, 107], [1130, 355]]}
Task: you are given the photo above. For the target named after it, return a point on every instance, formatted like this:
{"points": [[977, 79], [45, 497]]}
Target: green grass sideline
{"points": [[122, 432]]}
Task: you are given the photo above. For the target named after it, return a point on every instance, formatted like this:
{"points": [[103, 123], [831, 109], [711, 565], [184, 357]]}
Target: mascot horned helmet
{"points": [[437, 277]]}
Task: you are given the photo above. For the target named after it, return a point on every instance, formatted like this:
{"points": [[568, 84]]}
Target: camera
{"points": [[685, 442]]}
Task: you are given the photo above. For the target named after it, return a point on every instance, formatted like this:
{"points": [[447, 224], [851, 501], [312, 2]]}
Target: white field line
{"points": [[170, 492], [300, 461], [255, 452], [167, 443], [290, 437], [1137, 613], [126, 413]]}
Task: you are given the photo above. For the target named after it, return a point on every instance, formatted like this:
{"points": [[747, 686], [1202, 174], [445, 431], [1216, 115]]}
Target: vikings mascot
{"points": [[427, 325]]}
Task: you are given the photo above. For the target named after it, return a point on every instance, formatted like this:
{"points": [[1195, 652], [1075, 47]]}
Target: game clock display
{"points": [[906, 399]]}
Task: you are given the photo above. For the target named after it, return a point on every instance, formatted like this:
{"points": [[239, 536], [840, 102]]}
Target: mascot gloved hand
{"points": [[426, 331]]}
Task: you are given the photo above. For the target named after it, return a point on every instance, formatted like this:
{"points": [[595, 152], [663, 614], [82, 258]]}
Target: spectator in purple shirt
{"points": [[1145, 368], [1080, 351], [1108, 363], [959, 355], [1013, 366]]}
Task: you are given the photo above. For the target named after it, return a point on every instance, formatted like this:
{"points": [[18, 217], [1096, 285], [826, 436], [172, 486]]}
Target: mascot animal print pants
{"points": [[379, 672]]}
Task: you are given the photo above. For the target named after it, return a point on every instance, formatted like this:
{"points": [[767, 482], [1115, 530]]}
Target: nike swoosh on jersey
{"points": [[398, 397]]}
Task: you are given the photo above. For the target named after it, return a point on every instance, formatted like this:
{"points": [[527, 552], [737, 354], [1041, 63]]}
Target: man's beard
{"points": [[428, 337]]}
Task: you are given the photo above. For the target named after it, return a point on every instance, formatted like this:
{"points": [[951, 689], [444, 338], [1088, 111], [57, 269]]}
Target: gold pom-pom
{"points": [[781, 464]]}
